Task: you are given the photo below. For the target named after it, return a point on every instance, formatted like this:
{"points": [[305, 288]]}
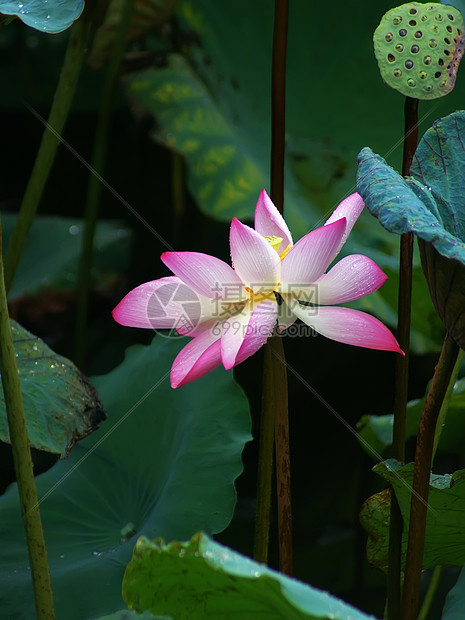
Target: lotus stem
{"points": [[446, 402], [421, 476], [265, 462], [50, 140], [94, 188], [283, 463], [280, 400], [402, 365], [275, 397], [22, 462], [430, 593]]}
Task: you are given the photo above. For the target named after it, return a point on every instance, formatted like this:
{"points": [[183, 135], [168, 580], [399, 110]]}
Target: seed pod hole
{"points": [[389, 36], [397, 20], [438, 17], [413, 11], [433, 44], [408, 64], [402, 32], [397, 73], [427, 60], [451, 17], [446, 40], [412, 22], [391, 58], [415, 49], [422, 75], [428, 88], [437, 74], [411, 83], [399, 47], [418, 34]]}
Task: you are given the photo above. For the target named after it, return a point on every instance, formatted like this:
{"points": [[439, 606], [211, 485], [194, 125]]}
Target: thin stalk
{"points": [[402, 364], [265, 462], [421, 476], [278, 101], [94, 188], [275, 405], [445, 404], [278, 124], [23, 463], [430, 593], [50, 139], [283, 463]]}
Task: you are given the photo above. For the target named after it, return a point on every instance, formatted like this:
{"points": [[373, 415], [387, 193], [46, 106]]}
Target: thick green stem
{"points": [[48, 146], [402, 364], [278, 123], [265, 462], [283, 463], [275, 405], [421, 476], [430, 593], [23, 463], [94, 188], [278, 101]]}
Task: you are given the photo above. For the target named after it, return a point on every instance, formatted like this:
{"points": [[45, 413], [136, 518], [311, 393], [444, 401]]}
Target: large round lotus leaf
{"points": [[60, 404], [47, 15], [202, 579], [41, 269], [163, 464], [418, 48]]}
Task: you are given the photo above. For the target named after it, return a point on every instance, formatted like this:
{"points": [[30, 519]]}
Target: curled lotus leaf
{"points": [[45, 15]]}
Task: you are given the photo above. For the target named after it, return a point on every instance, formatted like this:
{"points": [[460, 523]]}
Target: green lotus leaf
{"points": [[51, 255], [163, 464], [445, 526], [203, 579], [60, 404]]}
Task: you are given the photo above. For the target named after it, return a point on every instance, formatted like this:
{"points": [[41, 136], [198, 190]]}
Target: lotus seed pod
{"points": [[418, 48]]}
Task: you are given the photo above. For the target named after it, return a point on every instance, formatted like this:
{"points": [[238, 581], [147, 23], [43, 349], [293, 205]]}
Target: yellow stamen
{"points": [[283, 254], [275, 242]]}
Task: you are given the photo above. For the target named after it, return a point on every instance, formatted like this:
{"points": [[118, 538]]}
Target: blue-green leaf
{"points": [[403, 205], [430, 203], [46, 15]]}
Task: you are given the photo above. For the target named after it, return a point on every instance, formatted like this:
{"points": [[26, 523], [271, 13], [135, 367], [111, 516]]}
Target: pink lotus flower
{"points": [[230, 312]]}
